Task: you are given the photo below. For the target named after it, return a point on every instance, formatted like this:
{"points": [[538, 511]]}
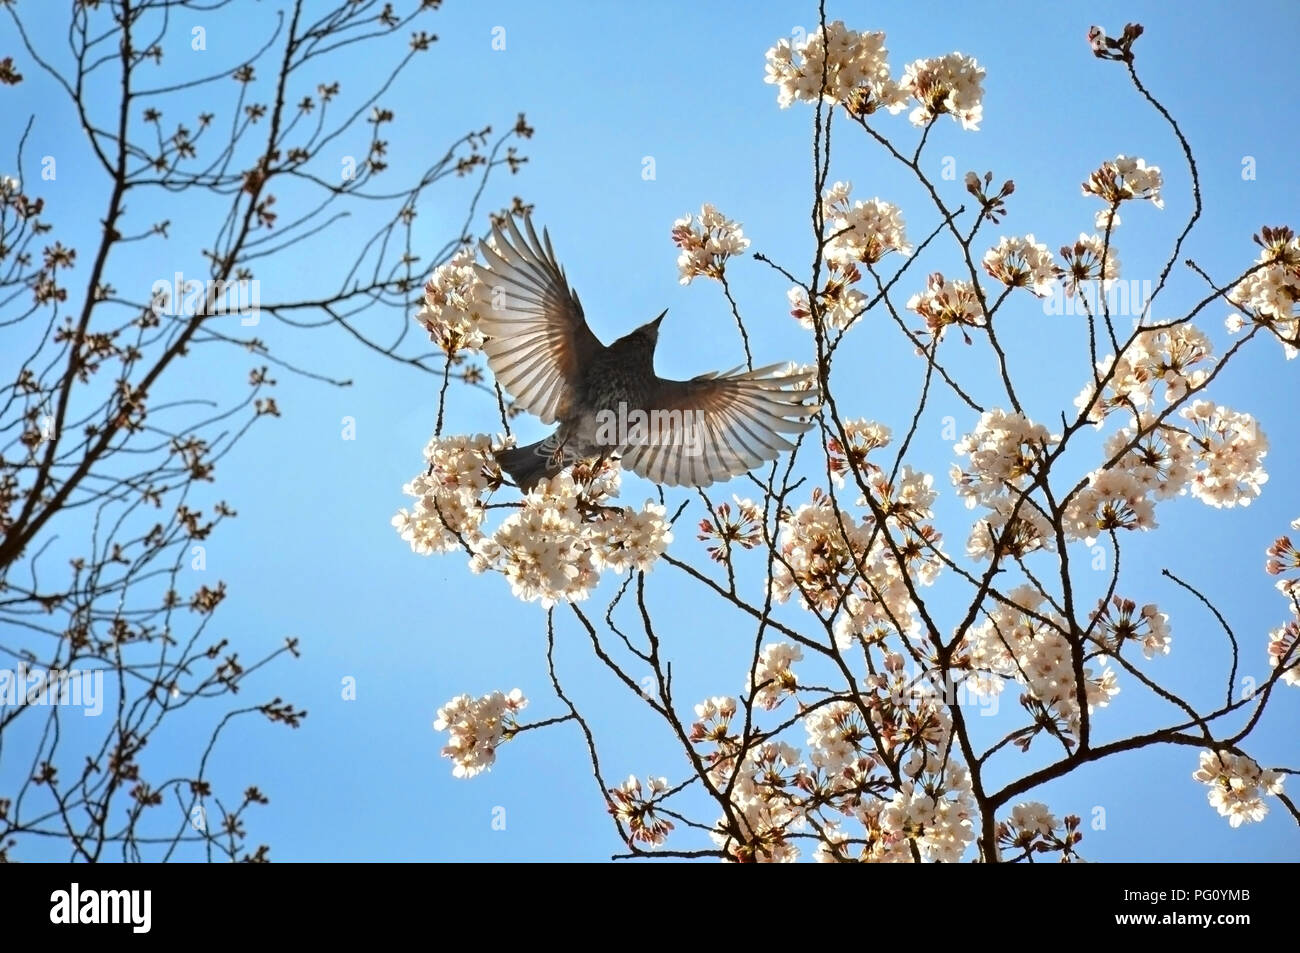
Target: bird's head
{"points": [[650, 330], [648, 334]]}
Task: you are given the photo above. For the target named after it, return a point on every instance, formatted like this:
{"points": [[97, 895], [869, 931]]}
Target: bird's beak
{"points": [[654, 325]]}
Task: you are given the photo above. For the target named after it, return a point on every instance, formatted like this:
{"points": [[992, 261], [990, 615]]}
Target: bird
{"points": [[607, 399]]}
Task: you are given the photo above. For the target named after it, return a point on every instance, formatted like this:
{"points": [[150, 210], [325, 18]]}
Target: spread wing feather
{"points": [[538, 339], [717, 426]]}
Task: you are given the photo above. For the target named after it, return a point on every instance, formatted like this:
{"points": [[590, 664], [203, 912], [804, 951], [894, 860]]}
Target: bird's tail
{"points": [[529, 465]]}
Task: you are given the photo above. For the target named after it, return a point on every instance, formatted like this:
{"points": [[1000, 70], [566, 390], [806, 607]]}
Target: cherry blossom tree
{"points": [[857, 735]]}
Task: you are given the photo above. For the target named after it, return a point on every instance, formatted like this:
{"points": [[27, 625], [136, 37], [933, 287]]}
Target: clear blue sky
{"points": [[312, 553]]}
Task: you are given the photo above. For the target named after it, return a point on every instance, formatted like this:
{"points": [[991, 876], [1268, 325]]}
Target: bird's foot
{"points": [[598, 511]]}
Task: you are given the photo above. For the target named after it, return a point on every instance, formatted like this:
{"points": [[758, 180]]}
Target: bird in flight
{"points": [[608, 400]]}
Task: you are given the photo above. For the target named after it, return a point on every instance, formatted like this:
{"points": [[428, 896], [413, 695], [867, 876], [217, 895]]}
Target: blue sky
{"points": [[312, 553]]}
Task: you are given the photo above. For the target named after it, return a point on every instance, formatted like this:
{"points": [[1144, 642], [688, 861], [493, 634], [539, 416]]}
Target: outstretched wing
{"points": [[538, 339], [717, 426]]}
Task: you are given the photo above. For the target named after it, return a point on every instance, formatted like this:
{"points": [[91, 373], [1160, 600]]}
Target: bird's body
{"points": [[624, 371], [607, 399], [619, 375]]}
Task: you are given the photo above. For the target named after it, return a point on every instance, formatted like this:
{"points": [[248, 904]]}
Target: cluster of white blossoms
{"points": [[554, 546], [1112, 499], [1282, 650], [905, 501], [1229, 449], [1284, 641], [856, 70], [928, 816], [947, 302], [1033, 817], [764, 801], [1159, 455], [819, 548], [1217, 457], [1270, 293], [838, 740], [857, 233], [744, 529], [922, 809], [448, 505], [909, 716], [1010, 528], [863, 436], [951, 84], [1237, 785], [706, 241], [1167, 355], [1023, 640], [766, 805], [713, 724], [840, 302], [936, 815], [1088, 259], [543, 549], [1005, 451], [1120, 621], [876, 601], [476, 728], [1120, 180], [550, 551], [851, 69], [807, 374], [1213, 453], [842, 567], [1033, 828], [453, 297], [861, 232], [773, 678], [637, 810], [1022, 263]]}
